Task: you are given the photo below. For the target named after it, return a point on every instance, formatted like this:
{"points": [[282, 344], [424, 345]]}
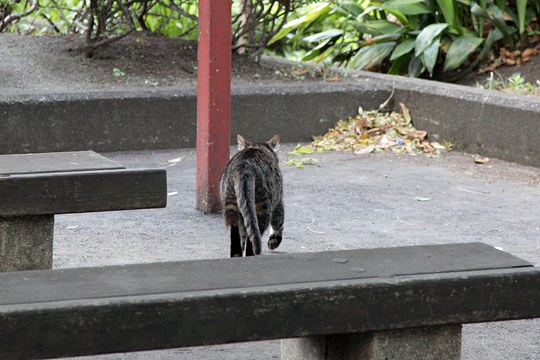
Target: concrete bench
{"points": [[35, 187], [406, 303]]}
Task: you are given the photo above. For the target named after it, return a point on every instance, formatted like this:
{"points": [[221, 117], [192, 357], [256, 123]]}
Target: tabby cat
{"points": [[251, 196]]}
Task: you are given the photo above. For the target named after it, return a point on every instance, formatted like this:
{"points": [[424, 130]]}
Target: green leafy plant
{"points": [[515, 84], [116, 72], [441, 38]]}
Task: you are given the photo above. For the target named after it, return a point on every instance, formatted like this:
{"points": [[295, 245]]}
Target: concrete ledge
{"points": [[488, 122], [100, 121], [166, 118], [491, 123]]}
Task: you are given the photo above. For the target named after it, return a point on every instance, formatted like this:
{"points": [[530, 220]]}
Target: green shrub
{"points": [[255, 22], [442, 38]]}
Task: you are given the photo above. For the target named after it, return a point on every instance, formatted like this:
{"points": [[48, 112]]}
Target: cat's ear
{"points": [[242, 143], [274, 142]]}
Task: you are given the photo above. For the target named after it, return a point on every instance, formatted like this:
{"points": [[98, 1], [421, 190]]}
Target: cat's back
{"points": [[253, 160], [260, 165]]}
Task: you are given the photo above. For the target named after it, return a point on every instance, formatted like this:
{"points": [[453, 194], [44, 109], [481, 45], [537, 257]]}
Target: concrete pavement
{"points": [[343, 202]]}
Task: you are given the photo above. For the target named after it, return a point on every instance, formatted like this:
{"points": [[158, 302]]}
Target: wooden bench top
{"points": [[71, 182], [55, 163], [165, 305]]}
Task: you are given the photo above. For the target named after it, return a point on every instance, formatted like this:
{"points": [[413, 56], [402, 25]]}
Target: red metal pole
{"points": [[213, 100]]}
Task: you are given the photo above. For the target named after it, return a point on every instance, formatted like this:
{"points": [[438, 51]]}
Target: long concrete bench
{"points": [[406, 303], [35, 187]]}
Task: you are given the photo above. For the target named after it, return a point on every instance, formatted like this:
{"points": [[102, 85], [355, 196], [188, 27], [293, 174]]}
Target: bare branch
{"points": [[175, 7], [127, 14], [11, 18], [89, 49], [48, 19]]}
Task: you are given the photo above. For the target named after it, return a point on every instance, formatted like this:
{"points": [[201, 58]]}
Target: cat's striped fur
{"points": [[251, 197]]}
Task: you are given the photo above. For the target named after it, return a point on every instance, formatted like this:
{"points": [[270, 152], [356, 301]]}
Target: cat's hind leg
{"points": [[247, 248], [235, 233], [278, 217], [236, 241]]}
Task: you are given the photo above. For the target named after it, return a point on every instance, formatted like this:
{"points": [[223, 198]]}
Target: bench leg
{"points": [[427, 343], [26, 243]]}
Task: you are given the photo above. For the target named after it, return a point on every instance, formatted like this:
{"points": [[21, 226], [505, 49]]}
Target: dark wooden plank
{"points": [[73, 192], [105, 324], [55, 162], [201, 275]]}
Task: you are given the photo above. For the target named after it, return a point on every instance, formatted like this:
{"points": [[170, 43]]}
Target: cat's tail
{"points": [[245, 194]]}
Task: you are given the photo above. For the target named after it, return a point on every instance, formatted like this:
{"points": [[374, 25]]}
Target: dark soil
{"points": [[57, 64], [530, 71]]}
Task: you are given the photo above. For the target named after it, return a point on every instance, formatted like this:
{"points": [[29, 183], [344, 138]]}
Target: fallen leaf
{"points": [[299, 71], [333, 79], [505, 52], [427, 147], [366, 150], [474, 192], [498, 62], [406, 112], [529, 52], [176, 160], [417, 134], [481, 160], [385, 141], [301, 150], [299, 163], [363, 123], [438, 146]]}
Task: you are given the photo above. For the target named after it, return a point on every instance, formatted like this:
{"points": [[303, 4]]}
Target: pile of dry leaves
{"points": [[376, 131], [372, 131], [507, 57]]}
